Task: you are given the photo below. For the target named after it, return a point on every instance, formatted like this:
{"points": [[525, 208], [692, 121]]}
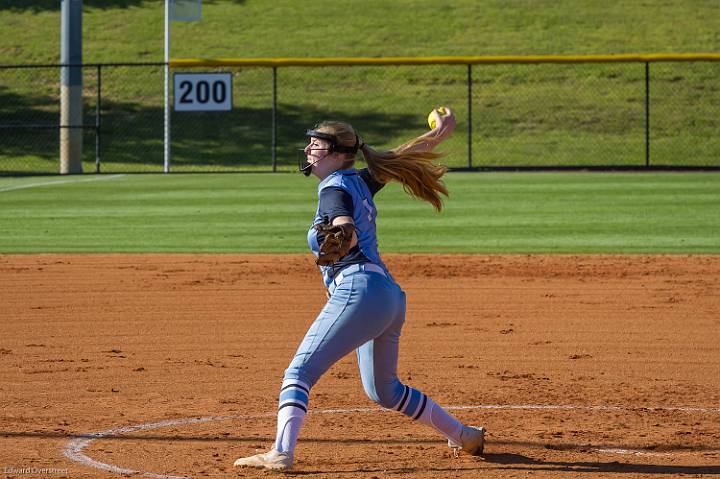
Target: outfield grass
{"points": [[486, 213], [132, 30], [524, 115]]}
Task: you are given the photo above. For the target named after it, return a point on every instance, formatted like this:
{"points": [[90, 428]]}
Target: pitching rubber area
{"points": [[168, 366]]}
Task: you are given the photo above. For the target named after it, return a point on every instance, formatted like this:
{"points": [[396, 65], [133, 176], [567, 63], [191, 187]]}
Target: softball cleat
{"points": [[473, 441], [272, 460]]}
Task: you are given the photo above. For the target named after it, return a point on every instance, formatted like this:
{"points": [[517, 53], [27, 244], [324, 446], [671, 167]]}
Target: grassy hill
{"points": [[132, 30], [549, 114]]}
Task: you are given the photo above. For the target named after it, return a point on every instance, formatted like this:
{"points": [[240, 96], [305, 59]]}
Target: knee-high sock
{"points": [[421, 408], [291, 414]]}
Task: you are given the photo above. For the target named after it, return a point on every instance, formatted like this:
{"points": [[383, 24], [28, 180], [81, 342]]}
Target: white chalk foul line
{"points": [[702, 410], [631, 452], [60, 182], [74, 449]]}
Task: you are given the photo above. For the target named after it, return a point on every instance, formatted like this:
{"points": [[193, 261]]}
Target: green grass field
{"points": [[524, 115], [132, 30], [671, 213]]}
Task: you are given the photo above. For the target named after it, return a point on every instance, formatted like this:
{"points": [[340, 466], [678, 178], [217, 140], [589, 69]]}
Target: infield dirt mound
{"points": [[622, 352]]}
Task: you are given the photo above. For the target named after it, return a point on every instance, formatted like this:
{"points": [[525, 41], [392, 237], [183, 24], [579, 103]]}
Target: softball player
{"points": [[365, 310]]}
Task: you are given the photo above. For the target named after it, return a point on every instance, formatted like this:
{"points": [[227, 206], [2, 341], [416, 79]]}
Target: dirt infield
{"points": [[579, 366]]}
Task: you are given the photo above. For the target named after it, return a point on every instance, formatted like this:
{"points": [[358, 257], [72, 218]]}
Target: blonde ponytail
{"points": [[410, 164], [415, 170]]}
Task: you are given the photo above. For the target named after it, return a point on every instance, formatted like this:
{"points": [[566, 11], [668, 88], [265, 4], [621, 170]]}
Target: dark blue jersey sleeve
{"points": [[334, 202], [373, 185]]}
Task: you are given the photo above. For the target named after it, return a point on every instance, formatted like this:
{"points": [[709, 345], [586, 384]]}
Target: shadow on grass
{"points": [[37, 6], [131, 134]]}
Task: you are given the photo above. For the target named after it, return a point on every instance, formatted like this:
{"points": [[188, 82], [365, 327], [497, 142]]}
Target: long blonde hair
{"points": [[415, 170]]}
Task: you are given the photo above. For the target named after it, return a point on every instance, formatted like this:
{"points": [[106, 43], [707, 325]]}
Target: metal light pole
{"points": [[71, 87], [167, 151]]}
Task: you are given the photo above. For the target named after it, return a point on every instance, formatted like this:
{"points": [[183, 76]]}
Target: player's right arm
{"points": [[444, 127]]}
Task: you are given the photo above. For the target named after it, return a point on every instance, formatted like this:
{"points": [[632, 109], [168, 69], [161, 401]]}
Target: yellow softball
{"points": [[431, 117]]}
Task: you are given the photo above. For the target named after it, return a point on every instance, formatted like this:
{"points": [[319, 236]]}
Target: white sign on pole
{"points": [[202, 91], [186, 10]]}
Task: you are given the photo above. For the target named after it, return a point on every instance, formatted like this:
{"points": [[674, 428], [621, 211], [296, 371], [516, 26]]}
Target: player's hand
{"points": [[444, 123], [444, 127]]}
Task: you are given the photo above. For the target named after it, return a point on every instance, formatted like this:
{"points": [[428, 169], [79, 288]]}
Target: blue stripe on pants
{"points": [[412, 403], [295, 395]]}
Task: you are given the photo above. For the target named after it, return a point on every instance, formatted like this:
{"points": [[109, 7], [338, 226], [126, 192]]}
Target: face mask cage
{"points": [[303, 165]]}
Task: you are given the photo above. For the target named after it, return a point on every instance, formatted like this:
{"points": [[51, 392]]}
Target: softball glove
{"points": [[336, 243]]}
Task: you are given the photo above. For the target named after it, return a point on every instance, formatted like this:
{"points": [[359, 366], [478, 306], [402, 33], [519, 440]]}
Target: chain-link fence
{"points": [[544, 115]]}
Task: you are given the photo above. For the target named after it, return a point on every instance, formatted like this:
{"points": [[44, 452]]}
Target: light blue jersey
{"points": [[364, 215]]}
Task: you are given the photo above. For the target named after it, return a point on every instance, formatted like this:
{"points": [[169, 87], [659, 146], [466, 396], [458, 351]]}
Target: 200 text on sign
{"points": [[203, 91]]}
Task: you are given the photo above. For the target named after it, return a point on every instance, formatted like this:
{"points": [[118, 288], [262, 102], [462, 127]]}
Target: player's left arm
{"points": [[338, 239], [340, 220]]}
